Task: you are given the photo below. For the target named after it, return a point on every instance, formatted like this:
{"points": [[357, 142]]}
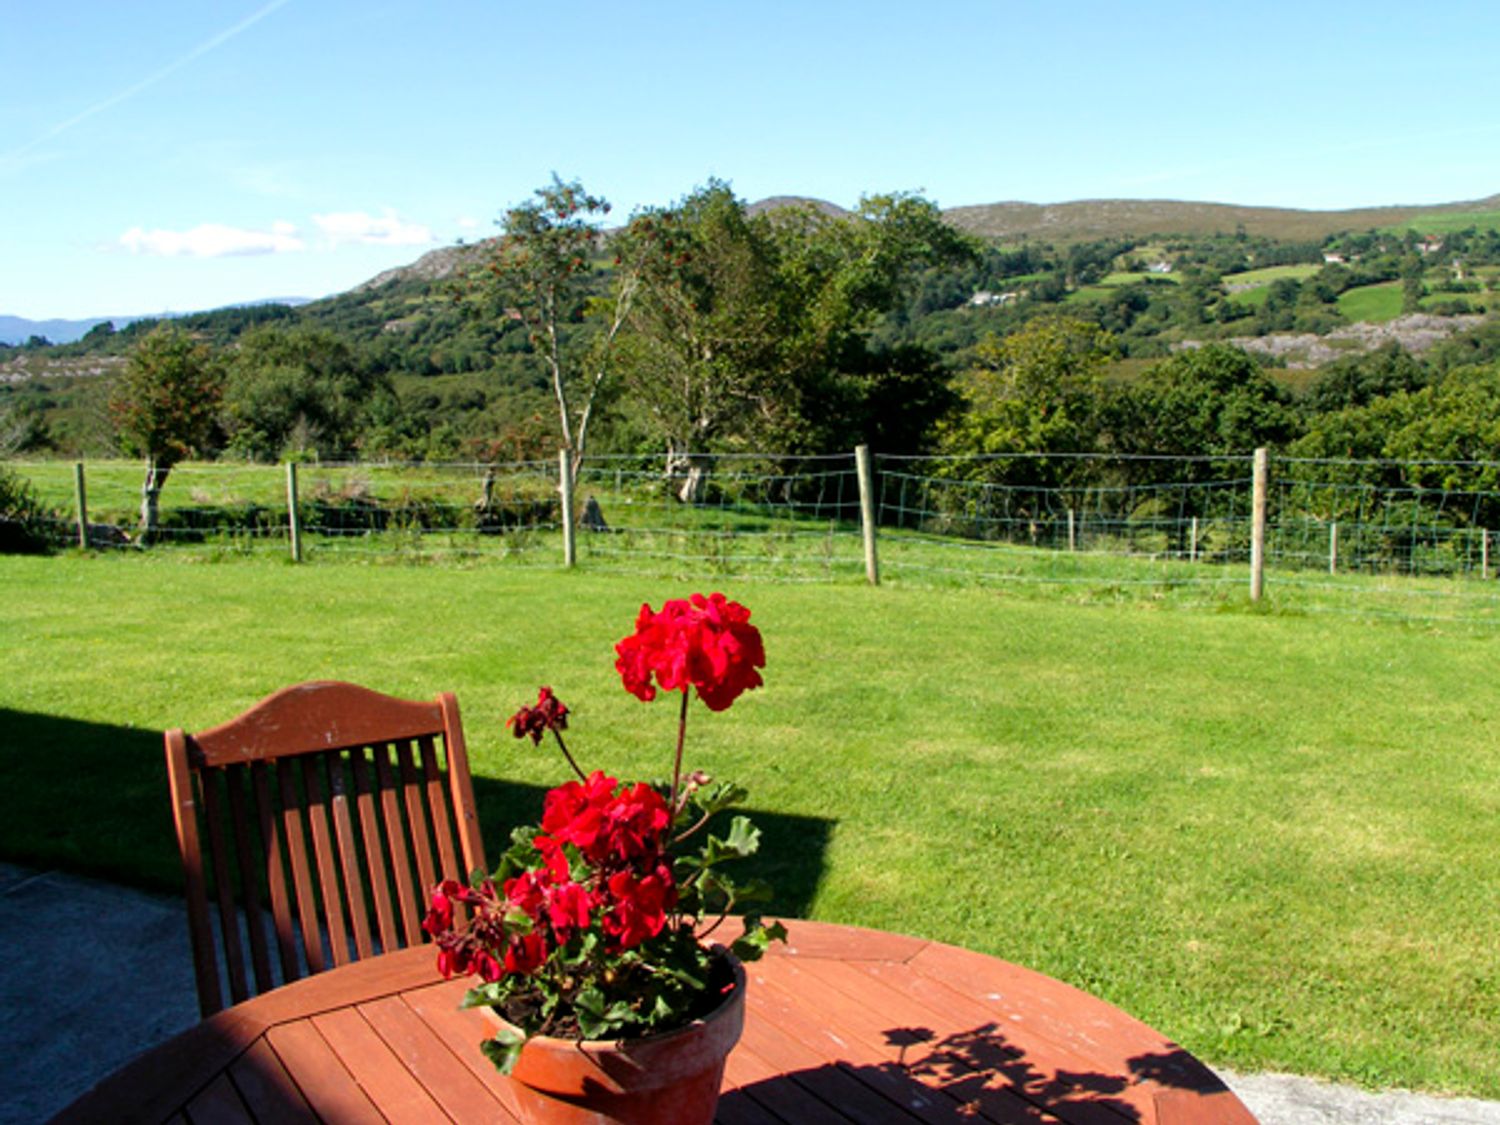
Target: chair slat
{"points": [[437, 806], [184, 786], [274, 850], [329, 892], [379, 807], [302, 881], [462, 786], [355, 887], [369, 824], [250, 879], [416, 816], [395, 834], [229, 920]]}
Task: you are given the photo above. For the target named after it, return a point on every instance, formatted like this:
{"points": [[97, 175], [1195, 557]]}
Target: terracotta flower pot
{"points": [[667, 1079]]}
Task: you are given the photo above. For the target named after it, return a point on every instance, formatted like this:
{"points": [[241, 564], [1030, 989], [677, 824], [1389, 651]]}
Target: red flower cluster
{"points": [[603, 849], [706, 642], [550, 713]]}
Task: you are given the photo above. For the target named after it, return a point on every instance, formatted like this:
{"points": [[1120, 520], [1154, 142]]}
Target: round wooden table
{"points": [[842, 1025]]}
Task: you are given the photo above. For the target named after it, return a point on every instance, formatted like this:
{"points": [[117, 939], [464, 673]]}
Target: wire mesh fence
{"points": [[1411, 540]]}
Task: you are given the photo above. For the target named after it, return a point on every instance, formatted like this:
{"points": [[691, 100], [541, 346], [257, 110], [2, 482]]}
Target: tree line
{"points": [[708, 326]]}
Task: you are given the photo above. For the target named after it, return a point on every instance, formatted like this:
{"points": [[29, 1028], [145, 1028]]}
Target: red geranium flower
{"points": [[640, 906], [550, 713], [706, 642]]}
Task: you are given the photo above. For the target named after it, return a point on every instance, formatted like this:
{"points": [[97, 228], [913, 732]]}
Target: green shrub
{"points": [[24, 523]]}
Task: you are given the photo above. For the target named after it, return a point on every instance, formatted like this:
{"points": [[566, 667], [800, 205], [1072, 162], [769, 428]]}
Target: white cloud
{"points": [[385, 230], [213, 240], [468, 222]]}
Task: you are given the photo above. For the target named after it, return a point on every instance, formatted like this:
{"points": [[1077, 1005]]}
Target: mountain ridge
{"points": [[1073, 221]]}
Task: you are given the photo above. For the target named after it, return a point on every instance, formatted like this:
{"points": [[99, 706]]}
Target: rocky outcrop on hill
{"points": [[1303, 351], [435, 265]]}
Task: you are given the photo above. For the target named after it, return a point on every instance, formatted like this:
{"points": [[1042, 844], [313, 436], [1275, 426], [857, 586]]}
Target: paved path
{"points": [[93, 974]]}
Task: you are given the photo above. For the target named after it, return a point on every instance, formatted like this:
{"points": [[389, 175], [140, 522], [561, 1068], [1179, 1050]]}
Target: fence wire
{"points": [[1383, 539]]}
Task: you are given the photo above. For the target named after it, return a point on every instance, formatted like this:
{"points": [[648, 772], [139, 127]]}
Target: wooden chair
{"points": [[334, 806]]}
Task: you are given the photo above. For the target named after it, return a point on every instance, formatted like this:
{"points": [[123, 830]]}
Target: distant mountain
{"points": [[776, 202], [1110, 218], [17, 329]]}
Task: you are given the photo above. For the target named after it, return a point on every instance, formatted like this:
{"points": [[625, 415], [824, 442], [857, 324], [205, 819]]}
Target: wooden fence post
{"points": [[293, 522], [1484, 553], [80, 493], [565, 489], [1072, 532], [1333, 547], [1193, 541], [1258, 525], [867, 511]]}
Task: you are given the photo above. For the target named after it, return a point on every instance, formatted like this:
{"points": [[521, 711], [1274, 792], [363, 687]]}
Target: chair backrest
{"points": [[326, 811]]}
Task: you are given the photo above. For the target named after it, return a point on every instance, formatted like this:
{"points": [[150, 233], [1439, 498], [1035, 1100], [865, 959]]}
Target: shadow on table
{"points": [[966, 1076]]}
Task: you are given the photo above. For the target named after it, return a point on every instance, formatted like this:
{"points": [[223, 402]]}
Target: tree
{"points": [[1213, 401], [755, 328], [1357, 380], [538, 274], [165, 409], [702, 356], [1038, 390], [295, 392]]}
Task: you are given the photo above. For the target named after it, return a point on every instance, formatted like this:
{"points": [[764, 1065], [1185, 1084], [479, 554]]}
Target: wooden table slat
{"points": [[268, 1089], [376, 1068], [425, 1054], [858, 1044], [320, 1074], [764, 1093], [461, 1031], [1076, 1087], [219, 1104], [822, 1074], [1043, 1008]]}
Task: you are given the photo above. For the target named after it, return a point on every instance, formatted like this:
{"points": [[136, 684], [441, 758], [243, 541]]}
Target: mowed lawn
{"points": [[1271, 836]]}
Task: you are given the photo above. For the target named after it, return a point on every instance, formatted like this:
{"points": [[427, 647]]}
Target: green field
{"points": [[1119, 278], [1271, 273], [1270, 835], [1437, 223], [1252, 298], [1376, 303]]}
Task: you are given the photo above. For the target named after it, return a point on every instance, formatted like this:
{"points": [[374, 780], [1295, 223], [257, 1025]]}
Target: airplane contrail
{"points": [[150, 80]]}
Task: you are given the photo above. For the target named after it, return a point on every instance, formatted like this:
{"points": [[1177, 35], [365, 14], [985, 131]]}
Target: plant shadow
{"points": [[977, 1074]]}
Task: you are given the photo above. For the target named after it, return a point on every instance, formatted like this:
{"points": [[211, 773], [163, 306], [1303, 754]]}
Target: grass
{"points": [[1440, 222], [1375, 303], [1269, 835], [1272, 273], [1251, 298]]}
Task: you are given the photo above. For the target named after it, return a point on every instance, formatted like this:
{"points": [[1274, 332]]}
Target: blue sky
{"points": [[171, 156]]}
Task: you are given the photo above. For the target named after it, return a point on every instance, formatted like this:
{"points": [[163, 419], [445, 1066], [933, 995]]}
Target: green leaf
{"points": [[744, 837], [484, 995], [504, 1049], [722, 796], [752, 890], [757, 938], [744, 840], [595, 1020]]}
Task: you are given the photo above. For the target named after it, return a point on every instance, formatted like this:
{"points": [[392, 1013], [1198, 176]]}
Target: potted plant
{"points": [[594, 941]]}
